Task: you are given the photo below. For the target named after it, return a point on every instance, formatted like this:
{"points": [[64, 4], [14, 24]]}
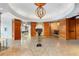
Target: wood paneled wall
{"points": [[77, 28], [62, 29], [54, 26], [16, 29], [33, 31], [69, 28], [47, 29]]}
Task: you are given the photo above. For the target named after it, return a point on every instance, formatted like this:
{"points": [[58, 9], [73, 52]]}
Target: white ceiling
{"points": [[26, 11]]}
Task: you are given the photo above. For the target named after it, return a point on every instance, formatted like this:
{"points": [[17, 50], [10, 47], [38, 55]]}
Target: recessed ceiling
{"points": [[54, 11]]}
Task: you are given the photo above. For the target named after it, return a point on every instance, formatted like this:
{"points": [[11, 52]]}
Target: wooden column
{"points": [[33, 30], [47, 29], [16, 28]]}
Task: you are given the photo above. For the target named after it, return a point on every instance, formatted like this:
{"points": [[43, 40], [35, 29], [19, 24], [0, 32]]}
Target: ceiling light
{"points": [[40, 11]]}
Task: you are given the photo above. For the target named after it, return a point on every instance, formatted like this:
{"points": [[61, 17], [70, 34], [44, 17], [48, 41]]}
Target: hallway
{"points": [[57, 25], [50, 47]]}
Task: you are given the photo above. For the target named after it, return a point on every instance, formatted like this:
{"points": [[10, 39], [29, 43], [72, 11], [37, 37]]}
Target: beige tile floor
{"points": [[50, 47]]}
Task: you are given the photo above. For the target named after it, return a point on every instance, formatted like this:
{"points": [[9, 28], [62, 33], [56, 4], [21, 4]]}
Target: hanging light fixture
{"points": [[40, 11]]}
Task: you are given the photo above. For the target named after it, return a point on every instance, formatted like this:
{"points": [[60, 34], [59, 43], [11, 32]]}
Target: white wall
{"points": [[6, 22]]}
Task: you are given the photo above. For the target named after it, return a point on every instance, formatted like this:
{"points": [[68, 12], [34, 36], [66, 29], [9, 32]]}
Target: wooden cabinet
{"points": [[16, 29]]}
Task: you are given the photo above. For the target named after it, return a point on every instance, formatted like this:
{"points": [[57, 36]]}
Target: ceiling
{"points": [[26, 11]]}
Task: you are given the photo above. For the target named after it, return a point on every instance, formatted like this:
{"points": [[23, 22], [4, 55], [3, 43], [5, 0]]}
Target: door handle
{"points": [[71, 31]]}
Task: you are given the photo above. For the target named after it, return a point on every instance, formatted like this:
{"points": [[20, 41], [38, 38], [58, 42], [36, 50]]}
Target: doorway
{"points": [[25, 31]]}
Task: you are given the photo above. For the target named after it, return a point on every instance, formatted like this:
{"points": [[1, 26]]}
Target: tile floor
{"points": [[50, 47]]}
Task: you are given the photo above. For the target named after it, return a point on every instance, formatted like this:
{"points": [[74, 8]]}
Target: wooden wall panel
{"points": [[33, 31], [62, 29], [54, 26], [47, 29], [68, 28], [77, 28], [16, 29], [72, 28]]}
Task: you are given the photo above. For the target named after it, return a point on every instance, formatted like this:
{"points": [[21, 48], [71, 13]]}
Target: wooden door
{"points": [[77, 28], [16, 29], [72, 28]]}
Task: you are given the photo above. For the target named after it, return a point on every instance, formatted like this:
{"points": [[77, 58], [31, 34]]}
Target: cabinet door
{"points": [[77, 28]]}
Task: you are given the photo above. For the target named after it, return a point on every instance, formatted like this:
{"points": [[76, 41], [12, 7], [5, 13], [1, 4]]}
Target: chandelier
{"points": [[40, 11]]}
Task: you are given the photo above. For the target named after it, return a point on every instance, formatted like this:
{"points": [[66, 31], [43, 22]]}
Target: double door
{"points": [[73, 29]]}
